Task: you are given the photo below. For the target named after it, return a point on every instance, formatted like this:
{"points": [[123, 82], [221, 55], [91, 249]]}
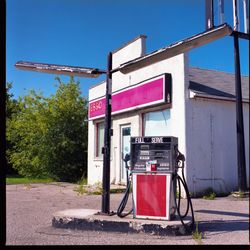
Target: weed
{"points": [[240, 194], [82, 181], [117, 190], [80, 189], [91, 189], [197, 236], [177, 193], [209, 194], [95, 189], [27, 185]]}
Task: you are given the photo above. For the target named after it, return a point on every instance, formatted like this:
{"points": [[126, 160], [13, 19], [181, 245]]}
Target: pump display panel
{"points": [[153, 154]]}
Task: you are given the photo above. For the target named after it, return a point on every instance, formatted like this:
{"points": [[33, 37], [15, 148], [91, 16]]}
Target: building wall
{"points": [[119, 81], [212, 146], [206, 129], [176, 67]]}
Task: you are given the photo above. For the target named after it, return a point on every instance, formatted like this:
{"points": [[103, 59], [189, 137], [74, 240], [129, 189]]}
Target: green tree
{"points": [[50, 134], [68, 133], [12, 108]]}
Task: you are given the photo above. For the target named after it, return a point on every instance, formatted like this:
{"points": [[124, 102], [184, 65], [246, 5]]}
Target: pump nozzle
{"points": [[127, 158]]}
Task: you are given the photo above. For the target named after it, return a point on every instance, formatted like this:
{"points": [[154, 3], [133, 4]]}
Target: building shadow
{"points": [[223, 213], [224, 225]]}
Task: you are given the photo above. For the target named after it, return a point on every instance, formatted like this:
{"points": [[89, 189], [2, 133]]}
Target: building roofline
{"points": [[129, 42], [194, 95], [95, 85], [216, 70]]}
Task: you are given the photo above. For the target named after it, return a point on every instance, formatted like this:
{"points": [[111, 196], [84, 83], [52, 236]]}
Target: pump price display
{"points": [[157, 154]]}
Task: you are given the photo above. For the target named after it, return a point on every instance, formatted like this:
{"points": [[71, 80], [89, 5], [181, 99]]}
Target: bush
{"points": [[49, 135]]}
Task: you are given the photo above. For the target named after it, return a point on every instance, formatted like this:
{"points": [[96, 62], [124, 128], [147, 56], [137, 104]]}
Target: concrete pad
{"points": [[90, 219], [76, 213]]}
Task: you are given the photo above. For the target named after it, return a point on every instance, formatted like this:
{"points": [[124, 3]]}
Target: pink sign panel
{"points": [[144, 94]]}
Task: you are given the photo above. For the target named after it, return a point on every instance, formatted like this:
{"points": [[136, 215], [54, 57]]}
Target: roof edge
{"points": [[194, 95], [217, 70], [129, 42]]}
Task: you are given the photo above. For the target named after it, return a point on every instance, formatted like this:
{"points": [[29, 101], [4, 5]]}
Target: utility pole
{"points": [[241, 160], [107, 140]]}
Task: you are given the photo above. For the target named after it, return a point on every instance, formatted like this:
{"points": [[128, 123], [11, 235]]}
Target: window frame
{"points": [[143, 115], [97, 145]]}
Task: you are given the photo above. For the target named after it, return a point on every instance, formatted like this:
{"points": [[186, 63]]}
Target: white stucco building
{"points": [[169, 98]]}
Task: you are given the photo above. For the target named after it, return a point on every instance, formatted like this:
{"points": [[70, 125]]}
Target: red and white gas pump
{"points": [[153, 162]]}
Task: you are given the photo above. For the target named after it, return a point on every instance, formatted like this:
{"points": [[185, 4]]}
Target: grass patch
{"points": [[83, 188], [25, 180], [82, 181], [117, 190], [209, 194], [95, 189], [240, 194], [80, 189]]}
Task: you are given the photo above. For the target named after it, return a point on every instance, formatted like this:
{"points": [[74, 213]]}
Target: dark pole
{"points": [[107, 139], [242, 183]]}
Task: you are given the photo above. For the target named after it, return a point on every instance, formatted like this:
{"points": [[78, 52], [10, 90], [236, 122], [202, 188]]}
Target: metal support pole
{"points": [[209, 9], [221, 11], [236, 15], [246, 15], [107, 139], [242, 182]]}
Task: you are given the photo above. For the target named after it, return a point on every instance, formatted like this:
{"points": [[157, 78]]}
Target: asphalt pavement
{"points": [[30, 209]]}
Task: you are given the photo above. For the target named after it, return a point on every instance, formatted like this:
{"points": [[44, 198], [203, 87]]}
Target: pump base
{"points": [[86, 219]]}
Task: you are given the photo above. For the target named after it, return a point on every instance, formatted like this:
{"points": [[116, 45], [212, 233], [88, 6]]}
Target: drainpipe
{"points": [[211, 149]]}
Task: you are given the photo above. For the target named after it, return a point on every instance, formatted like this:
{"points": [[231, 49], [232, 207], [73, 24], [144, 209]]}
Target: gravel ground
{"points": [[29, 210]]}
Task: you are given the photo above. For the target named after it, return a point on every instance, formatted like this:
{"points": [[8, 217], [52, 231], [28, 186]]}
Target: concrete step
{"points": [[90, 219]]}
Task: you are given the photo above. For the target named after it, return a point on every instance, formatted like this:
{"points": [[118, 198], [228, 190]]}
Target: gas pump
{"points": [[154, 164]]}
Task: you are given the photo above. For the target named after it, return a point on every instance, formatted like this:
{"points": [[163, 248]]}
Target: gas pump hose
{"points": [[189, 202], [125, 200]]}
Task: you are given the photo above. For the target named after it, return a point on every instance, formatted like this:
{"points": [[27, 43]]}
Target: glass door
{"points": [[125, 149]]}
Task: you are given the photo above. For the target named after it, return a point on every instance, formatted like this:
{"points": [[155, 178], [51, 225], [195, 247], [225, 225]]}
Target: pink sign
{"points": [[144, 94]]}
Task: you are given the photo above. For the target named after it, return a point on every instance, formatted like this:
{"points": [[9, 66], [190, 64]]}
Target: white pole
{"points": [[221, 12], [246, 15], [235, 15]]}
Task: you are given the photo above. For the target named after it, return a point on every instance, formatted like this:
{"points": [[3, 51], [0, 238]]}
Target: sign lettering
{"points": [[139, 140], [157, 140], [150, 92], [95, 106]]}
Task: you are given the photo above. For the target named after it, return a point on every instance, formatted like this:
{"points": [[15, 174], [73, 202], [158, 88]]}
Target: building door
{"points": [[125, 149]]}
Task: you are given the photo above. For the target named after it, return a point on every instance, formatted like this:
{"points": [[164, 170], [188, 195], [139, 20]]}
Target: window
{"points": [[99, 139], [157, 123]]}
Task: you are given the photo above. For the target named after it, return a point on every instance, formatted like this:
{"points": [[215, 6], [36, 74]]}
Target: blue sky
{"points": [[82, 32]]}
